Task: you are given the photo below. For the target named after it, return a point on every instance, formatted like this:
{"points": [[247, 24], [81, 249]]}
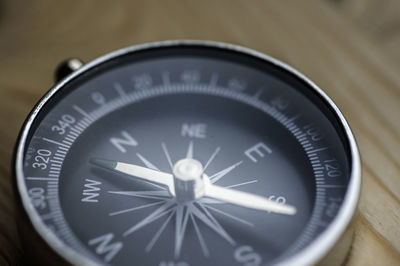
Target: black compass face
{"points": [[186, 155]]}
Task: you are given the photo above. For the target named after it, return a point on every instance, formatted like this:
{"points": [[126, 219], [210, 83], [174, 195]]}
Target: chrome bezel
{"points": [[310, 255]]}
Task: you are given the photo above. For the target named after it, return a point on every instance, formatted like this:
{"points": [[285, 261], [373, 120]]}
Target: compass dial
{"points": [[184, 154]]}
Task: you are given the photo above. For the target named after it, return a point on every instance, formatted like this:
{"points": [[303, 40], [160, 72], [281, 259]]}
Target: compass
{"points": [[183, 153]]}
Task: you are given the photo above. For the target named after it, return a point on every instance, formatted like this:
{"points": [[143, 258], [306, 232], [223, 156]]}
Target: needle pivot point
{"points": [[187, 179], [188, 169]]}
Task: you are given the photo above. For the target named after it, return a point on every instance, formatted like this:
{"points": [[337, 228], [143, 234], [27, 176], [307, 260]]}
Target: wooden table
{"points": [[349, 47]]}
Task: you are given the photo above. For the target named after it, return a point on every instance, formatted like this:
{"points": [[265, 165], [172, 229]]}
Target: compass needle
{"points": [[247, 200], [185, 153], [136, 171]]}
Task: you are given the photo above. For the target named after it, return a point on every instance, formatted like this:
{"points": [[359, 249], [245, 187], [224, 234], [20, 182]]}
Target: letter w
{"points": [[90, 191]]}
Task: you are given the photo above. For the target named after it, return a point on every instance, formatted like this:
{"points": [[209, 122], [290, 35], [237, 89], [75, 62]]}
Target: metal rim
{"points": [[311, 254]]}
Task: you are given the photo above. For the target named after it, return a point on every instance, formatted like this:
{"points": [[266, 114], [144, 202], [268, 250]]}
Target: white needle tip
{"points": [[290, 210]]}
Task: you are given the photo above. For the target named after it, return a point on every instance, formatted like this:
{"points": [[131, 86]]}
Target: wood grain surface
{"points": [[350, 48]]}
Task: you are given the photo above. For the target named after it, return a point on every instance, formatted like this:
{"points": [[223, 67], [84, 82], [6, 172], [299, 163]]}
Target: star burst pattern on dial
{"points": [[182, 212]]}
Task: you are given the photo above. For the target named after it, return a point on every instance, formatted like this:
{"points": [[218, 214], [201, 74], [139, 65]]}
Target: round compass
{"points": [[186, 153]]}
